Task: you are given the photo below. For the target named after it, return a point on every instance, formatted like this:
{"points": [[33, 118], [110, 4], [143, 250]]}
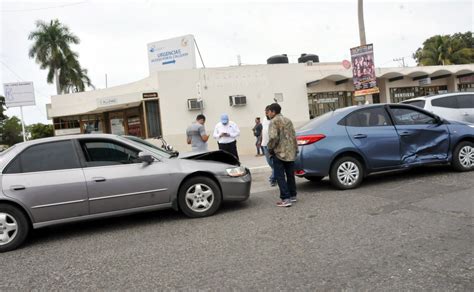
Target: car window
{"points": [[102, 152], [316, 122], [446, 102], [408, 116], [45, 157], [417, 103], [465, 101], [371, 117]]}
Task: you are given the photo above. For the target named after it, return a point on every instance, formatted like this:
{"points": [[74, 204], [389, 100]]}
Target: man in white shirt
{"points": [[226, 133], [265, 124]]}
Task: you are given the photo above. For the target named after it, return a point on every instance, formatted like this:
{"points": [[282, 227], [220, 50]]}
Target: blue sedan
{"points": [[350, 143]]}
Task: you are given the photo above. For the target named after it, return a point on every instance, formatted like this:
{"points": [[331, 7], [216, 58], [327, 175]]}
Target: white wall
{"points": [[258, 83]]}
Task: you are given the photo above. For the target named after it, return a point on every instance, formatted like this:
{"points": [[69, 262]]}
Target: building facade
{"points": [[166, 103]]}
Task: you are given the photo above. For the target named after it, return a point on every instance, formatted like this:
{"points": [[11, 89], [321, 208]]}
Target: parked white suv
{"points": [[457, 106]]}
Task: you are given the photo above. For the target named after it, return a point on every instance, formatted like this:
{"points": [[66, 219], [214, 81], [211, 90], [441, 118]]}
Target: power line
{"points": [[44, 8]]}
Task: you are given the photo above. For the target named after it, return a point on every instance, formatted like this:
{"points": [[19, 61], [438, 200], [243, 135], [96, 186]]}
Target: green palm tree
{"points": [[51, 49], [72, 77], [443, 50]]}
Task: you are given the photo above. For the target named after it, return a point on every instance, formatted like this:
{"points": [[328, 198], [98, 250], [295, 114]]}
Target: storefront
{"points": [[466, 83], [141, 121], [400, 94]]}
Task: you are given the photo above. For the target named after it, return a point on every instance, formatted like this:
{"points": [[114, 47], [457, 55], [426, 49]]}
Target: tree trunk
{"points": [[56, 80]]}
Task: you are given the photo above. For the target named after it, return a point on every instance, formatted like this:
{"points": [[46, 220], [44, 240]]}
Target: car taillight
{"points": [[309, 139], [299, 172]]}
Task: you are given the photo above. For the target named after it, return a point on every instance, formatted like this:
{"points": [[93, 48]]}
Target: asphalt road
{"points": [[409, 231]]}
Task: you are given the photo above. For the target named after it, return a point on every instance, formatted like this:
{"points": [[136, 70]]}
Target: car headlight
{"points": [[236, 171]]}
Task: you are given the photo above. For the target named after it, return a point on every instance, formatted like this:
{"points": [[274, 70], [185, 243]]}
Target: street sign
{"points": [[19, 94], [424, 81], [327, 100], [172, 54]]}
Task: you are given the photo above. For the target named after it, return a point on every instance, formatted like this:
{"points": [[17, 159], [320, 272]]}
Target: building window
{"points": [[322, 102], [92, 124], [66, 123]]}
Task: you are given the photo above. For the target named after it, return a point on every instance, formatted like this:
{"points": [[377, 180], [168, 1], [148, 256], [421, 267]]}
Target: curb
{"points": [[259, 169]]}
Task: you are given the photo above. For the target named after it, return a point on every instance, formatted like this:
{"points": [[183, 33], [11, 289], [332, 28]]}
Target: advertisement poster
{"points": [[363, 70]]}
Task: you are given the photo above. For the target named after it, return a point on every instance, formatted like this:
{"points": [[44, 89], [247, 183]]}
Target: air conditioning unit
{"points": [[237, 100], [195, 104]]}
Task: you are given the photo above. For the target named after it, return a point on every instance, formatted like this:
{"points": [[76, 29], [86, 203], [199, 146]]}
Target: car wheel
{"points": [[346, 173], [463, 156], [14, 227], [199, 196], [314, 178]]}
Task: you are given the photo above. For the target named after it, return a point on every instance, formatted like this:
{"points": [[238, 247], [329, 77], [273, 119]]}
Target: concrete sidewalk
{"points": [[256, 164]]}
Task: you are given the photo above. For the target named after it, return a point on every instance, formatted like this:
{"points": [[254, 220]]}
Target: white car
{"points": [[457, 106]]}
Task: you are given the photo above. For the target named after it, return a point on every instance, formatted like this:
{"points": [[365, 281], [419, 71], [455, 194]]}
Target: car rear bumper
{"points": [[236, 188]]}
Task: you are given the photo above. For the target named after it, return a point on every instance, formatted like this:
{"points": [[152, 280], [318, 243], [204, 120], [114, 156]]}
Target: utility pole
{"points": [[360, 10], [402, 59]]}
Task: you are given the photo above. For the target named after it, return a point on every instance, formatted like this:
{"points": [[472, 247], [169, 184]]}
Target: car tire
{"points": [[199, 196], [314, 178], [463, 156], [346, 173], [14, 227]]}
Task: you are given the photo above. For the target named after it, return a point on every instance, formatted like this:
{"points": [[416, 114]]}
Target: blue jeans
{"points": [[270, 162], [287, 185]]}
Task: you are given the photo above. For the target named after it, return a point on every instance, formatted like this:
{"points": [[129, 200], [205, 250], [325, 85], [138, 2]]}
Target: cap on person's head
{"points": [[224, 119]]}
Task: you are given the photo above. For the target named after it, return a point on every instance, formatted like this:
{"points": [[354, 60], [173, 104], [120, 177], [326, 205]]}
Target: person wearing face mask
{"points": [[226, 133]]}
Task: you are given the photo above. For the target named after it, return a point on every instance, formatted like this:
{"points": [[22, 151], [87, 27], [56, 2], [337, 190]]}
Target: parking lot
{"points": [[405, 231]]}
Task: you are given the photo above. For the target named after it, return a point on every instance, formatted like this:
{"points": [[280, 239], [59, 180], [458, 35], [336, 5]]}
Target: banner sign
{"points": [[172, 54], [363, 70], [19, 94]]}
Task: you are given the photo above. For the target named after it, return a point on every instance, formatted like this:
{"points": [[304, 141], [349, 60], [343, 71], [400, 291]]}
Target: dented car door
{"points": [[423, 137]]}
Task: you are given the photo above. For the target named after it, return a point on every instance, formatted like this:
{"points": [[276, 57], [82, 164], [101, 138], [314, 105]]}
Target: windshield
{"points": [[147, 146], [417, 103]]}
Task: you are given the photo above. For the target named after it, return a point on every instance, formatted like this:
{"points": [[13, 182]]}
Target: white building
{"points": [[166, 103]]}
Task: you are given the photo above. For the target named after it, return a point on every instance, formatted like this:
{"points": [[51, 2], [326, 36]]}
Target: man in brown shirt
{"points": [[283, 147]]}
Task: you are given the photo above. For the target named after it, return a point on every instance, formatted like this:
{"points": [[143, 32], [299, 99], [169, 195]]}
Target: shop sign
{"points": [[363, 70], [106, 101], [466, 79], [19, 94], [424, 81], [150, 95], [404, 94], [63, 132], [172, 54], [328, 100]]}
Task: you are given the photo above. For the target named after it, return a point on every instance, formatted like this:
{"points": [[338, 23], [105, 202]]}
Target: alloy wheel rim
{"points": [[348, 173], [466, 156], [199, 197], [8, 228]]}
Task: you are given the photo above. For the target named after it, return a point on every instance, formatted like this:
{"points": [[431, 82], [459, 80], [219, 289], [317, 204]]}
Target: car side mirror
{"points": [[145, 157], [438, 120]]}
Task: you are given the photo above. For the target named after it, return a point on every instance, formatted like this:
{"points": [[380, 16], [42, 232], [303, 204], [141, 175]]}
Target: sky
{"points": [[114, 34]]}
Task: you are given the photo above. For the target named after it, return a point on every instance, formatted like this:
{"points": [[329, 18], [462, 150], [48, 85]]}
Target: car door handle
{"points": [[98, 179], [405, 133], [465, 114], [17, 188], [360, 136]]}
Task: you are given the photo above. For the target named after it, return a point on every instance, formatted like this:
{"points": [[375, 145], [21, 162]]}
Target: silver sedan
{"points": [[74, 178]]}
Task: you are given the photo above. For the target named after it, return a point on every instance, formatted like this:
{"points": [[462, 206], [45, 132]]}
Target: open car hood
{"points": [[218, 156]]}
